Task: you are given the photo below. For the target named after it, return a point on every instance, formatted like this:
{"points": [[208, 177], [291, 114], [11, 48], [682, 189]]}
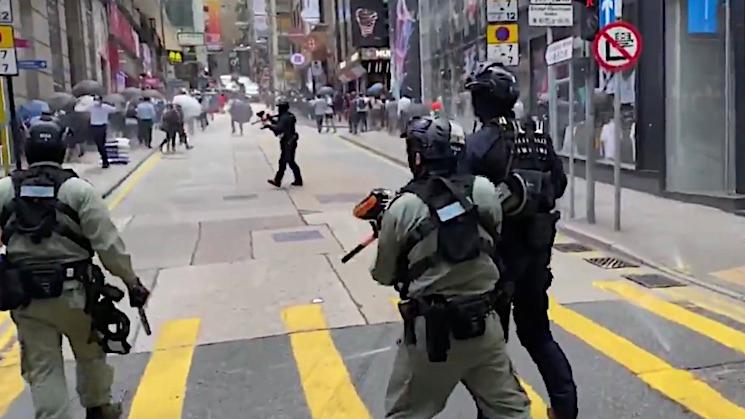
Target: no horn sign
{"points": [[617, 46]]}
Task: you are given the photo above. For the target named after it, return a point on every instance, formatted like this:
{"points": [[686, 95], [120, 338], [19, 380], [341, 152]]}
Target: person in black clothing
{"points": [[182, 137], [284, 128], [504, 147]]}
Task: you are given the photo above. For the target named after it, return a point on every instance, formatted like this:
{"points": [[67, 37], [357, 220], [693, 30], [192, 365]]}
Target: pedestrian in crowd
{"points": [[445, 273], [222, 101], [376, 110], [100, 112], [319, 106], [170, 124], [404, 103], [330, 110], [352, 113], [391, 116], [183, 138], [284, 128], [145, 119], [339, 103], [240, 113], [60, 291], [361, 106]]}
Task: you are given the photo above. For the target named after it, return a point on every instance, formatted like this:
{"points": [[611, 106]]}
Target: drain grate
{"points": [[654, 281], [611, 263], [240, 197], [297, 236], [338, 198], [571, 247]]}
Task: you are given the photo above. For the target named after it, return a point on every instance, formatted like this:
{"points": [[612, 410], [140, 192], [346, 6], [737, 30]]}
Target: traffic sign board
{"points": [[501, 33], [550, 15], [8, 61], [506, 54], [6, 12], [617, 46], [32, 64], [560, 51], [501, 10], [609, 11], [297, 59]]}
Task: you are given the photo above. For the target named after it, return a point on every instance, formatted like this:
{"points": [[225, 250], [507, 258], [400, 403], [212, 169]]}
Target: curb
{"points": [[609, 245], [594, 240], [127, 174]]}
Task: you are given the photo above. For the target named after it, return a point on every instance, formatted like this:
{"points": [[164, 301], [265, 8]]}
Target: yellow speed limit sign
{"points": [[8, 62]]}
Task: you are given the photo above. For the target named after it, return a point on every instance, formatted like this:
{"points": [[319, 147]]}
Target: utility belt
{"points": [[21, 284], [464, 317]]}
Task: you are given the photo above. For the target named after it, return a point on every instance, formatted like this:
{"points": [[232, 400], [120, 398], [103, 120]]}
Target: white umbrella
{"points": [[191, 107], [84, 103]]}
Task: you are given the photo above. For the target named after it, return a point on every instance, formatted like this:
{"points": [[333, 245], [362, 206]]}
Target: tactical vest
{"points": [[453, 217], [35, 210]]}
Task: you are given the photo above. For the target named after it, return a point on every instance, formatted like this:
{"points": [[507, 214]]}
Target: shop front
{"points": [[124, 49]]}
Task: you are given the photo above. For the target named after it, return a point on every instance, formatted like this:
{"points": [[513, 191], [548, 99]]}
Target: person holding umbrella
{"points": [[240, 112], [145, 118]]}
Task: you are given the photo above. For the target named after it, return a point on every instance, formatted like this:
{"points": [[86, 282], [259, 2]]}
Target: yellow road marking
{"points": [[133, 180], [734, 275], [712, 329], [329, 390], [537, 405], [162, 388], [710, 301], [7, 334], [11, 382], [678, 385]]}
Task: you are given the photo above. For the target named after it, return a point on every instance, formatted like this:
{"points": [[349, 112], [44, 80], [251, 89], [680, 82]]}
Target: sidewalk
{"points": [[702, 244], [106, 180]]}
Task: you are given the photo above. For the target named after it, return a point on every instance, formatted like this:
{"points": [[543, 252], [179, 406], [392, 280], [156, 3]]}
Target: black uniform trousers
{"points": [[98, 132], [145, 131], [526, 252], [287, 157]]}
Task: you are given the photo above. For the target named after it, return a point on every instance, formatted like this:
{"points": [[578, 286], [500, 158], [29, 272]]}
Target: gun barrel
{"points": [[144, 320]]}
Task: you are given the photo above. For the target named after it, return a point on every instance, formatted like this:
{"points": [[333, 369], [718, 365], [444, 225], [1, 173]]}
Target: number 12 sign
{"points": [[8, 61], [501, 10], [6, 12]]}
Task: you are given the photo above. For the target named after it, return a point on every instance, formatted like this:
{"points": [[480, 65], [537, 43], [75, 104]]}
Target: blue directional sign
{"points": [[32, 64], [607, 11], [702, 16]]}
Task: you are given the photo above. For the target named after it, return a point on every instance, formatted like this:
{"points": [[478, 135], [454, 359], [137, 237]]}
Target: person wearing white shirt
{"points": [[99, 123], [403, 112]]}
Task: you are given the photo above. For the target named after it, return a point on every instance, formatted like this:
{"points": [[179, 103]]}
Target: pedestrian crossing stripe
{"points": [[678, 385], [718, 332], [735, 275]]}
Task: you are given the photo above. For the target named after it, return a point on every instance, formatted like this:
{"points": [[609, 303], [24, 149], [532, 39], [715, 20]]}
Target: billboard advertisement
{"points": [[369, 23], [212, 28], [406, 65]]}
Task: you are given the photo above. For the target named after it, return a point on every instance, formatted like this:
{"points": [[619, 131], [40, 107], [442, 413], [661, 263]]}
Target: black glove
{"points": [[138, 295]]}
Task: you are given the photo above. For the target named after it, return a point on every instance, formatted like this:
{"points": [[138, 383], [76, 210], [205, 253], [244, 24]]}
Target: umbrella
{"points": [[131, 93], [191, 107], [326, 91], [153, 94], [240, 111], [88, 87], [115, 99], [33, 109], [62, 101], [84, 103], [376, 89]]}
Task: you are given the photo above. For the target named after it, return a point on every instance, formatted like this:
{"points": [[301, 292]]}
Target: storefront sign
{"points": [[369, 23], [175, 57], [617, 46], [6, 12], [297, 59], [507, 54], [550, 15], [190, 39], [551, 1], [560, 51], [498, 33], [501, 10], [375, 54], [8, 62]]}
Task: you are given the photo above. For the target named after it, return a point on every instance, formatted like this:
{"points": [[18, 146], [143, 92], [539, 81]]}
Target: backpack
{"points": [[361, 105]]}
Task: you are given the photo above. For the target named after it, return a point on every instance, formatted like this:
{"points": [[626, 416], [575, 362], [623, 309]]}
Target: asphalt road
{"points": [[255, 317]]}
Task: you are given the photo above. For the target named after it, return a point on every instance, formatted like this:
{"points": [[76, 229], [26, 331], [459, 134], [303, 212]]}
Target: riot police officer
{"points": [[53, 223], [284, 128], [502, 147], [436, 245]]}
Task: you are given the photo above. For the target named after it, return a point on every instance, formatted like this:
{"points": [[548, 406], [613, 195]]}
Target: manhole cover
{"points": [[239, 197], [297, 236], [338, 197], [571, 247], [654, 281], [610, 263]]}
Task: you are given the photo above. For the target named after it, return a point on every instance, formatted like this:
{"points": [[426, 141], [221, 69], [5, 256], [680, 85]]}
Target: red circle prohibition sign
{"points": [[603, 35]]}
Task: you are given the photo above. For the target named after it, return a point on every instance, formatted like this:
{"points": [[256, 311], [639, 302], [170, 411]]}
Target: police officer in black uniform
{"points": [[284, 128], [503, 147]]}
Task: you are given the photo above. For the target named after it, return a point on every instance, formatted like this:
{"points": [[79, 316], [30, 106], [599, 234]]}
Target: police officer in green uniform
{"points": [[436, 246], [53, 223]]}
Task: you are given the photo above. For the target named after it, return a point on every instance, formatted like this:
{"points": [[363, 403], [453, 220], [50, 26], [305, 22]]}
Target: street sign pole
{"points": [[618, 132], [571, 138], [590, 144], [552, 108], [14, 133]]}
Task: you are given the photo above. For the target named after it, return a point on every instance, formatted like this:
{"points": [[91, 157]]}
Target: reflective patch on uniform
{"points": [[32, 191], [450, 211]]}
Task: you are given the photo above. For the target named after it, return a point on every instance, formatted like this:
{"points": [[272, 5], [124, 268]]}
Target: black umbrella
{"points": [[88, 87], [326, 91], [115, 99], [376, 89], [61, 101], [131, 93]]}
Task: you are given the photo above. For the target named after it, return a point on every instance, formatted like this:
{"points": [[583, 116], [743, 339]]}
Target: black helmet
{"points": [[283, 106], [494, 90], [46, 140], [437, 141]]}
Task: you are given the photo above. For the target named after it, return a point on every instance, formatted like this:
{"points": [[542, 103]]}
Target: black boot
{"points": [[107, 411]]}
